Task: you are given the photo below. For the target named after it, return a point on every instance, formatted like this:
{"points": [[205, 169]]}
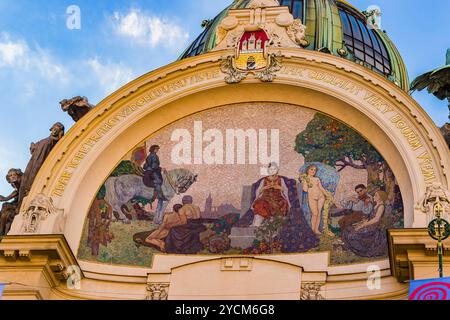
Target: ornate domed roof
{"points": [[332, 26]]}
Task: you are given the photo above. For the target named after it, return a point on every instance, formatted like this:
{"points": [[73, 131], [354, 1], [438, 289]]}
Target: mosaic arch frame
{"points": [[360, 98]]}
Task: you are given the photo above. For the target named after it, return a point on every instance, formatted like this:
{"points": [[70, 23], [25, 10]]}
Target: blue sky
{"points": [[43, 62]]}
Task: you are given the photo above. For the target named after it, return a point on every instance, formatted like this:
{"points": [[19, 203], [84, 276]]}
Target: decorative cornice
{"points": [[410, 246], [51, 253], [16, 293]]}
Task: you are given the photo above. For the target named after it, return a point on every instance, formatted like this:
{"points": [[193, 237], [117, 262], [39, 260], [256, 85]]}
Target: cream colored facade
{"points": [[81, 161]]}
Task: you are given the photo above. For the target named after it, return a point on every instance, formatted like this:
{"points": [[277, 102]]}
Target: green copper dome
{"points": [[333, 26]]}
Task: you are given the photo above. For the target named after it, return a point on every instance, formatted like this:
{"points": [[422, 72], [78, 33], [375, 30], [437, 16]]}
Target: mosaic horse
{"points": [[120, 190]]}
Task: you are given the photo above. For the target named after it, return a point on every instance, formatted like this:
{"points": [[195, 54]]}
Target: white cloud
{"points": [[35, 68], [11, 52], [109, 75], [17, 54], [150, 30], [47, 68]]}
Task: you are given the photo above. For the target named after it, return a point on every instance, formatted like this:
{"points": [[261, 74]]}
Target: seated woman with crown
{"points": [[277, 196], [272, 197]]}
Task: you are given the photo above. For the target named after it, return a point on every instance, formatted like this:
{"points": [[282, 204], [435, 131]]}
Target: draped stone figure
{"points": [[39, 152], [77, 107], [9, 208]]}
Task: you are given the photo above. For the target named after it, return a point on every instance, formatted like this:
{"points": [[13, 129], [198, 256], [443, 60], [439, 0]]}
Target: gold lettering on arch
{"points": [[411, 136], [154, 94], [424, 159], [426, 166], [401, 124]]}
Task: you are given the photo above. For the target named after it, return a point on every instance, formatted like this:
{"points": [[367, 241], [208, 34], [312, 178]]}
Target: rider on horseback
{"points": [[153, 176]]}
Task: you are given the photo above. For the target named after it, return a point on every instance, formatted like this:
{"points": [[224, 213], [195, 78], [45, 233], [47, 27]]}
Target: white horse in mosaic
{"points": [[120, 190]]}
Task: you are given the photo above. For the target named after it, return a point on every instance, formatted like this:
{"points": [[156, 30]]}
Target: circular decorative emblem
{"points": [[439, 229], [432, 291]]}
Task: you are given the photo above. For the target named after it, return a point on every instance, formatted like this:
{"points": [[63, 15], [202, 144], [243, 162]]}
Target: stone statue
{"points": [[39, 152], [438, 83], [77, 107], [373, 15], [297, 32], [9, 209]]}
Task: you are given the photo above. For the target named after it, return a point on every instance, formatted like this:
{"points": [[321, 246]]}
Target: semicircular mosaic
{"points": [[253, 179]]}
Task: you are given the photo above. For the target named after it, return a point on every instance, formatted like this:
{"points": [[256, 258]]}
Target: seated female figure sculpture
{"points": [[9, 209]]}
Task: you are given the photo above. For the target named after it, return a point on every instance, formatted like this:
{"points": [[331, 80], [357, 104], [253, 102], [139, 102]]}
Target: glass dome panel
{"points": [[296, 7], [364, 43]]}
